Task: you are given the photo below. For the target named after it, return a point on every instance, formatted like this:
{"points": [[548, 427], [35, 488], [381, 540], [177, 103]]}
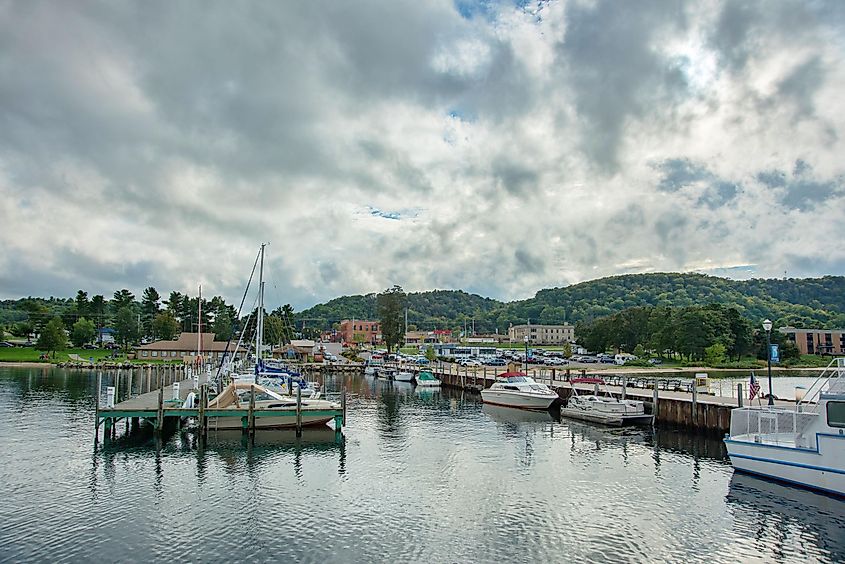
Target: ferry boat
{"points": [[804, 445], [515, 389], [604, 409]]}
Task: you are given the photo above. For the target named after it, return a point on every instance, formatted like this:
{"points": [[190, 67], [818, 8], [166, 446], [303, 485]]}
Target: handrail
{"points": [[832, 371]]}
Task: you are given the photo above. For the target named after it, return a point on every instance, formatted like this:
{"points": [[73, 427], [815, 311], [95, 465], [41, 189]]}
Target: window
{"points": [[836, 413], [144, 353], [155, 353], [172, 353]]}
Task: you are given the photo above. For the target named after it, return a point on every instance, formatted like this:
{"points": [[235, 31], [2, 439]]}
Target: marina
{"points": [[672, 492]]}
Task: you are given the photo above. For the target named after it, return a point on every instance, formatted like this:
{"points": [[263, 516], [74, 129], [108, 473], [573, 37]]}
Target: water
{"points": [[419, 476]]}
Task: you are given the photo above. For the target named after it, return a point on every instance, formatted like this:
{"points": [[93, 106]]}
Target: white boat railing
{"points": [[774, 425], [831, 379]]}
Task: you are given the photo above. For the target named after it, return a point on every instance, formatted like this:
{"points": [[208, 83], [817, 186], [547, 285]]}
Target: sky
{"points": [[494, 147]]}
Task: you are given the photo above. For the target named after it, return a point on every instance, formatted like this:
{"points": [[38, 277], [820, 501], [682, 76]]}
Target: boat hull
{"points": [[269, 422], [519, 400], [614, 420], [428, 383], [803, 467], [404, 377]]}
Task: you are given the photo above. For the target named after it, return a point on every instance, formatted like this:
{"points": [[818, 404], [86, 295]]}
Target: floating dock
{"points": [[166, 404]]}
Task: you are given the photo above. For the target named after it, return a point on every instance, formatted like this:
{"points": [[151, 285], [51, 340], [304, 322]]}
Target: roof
{"points": [[188, 342]]}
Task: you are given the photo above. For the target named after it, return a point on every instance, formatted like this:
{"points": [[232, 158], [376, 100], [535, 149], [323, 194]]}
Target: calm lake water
{"points": [[417, 477]]}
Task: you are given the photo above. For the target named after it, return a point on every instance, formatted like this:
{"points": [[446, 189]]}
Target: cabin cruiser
{"points": [[404, 376], [515, 389], [604, 409], [236, 396], [804, 445], [426, 379]]}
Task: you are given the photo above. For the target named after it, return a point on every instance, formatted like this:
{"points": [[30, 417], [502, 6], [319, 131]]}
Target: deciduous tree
{"points": [[52, 337], [391, 304], [83, 332]]}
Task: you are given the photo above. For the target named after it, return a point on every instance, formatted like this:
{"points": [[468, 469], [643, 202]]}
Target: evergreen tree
{"points": [[83, 306], [149, 309], [98, 312], [122, 298], [391, 305]]}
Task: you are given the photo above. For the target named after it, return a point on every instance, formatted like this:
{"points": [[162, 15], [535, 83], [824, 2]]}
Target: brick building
{"points": [[816, 341], [360, 331]]}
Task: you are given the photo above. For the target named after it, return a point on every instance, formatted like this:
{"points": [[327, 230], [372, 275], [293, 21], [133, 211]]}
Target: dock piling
{"points": [[739, 394], [251, 420], [655, 404], [160, 412], [625, 387], [298, 411]]}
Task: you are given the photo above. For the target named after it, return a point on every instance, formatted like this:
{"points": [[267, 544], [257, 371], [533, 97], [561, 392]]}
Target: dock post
{"points": [[343, 404], [117, 386], [694, 403], [625, 387], [201, 414], [739, 394], [251, 420], [298, 411], [655, 404], [97, 404], [160, 412]]}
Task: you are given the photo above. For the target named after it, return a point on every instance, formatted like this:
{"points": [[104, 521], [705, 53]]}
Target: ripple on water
{"points": [[418, 477]]}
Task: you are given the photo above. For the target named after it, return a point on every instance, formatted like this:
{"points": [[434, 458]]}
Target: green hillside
{"points": [[810, 302]]}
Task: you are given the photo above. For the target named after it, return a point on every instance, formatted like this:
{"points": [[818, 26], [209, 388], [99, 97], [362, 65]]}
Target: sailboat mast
{"points": [[199, 323], [259, 333]]}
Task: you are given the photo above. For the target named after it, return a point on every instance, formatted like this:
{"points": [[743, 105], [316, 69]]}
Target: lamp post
{"points": [[767, 326], [525, 363]]}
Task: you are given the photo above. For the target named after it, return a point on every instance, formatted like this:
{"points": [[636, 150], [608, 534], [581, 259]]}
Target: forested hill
{"points": [[811, 302], [439, 309]]}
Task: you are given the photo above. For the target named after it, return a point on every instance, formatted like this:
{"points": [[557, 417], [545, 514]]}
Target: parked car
{"points": [[496, 362], [655, 361], [6, 344], [89, 346]]}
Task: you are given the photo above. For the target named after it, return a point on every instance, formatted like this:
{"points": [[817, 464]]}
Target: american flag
{"points": [[753, 387]]}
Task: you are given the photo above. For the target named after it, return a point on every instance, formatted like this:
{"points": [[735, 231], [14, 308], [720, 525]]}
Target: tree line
{"points": [[711, 332], [132, 320]]}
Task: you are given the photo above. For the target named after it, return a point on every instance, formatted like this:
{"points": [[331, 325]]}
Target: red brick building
{"points": [[360, 331]]}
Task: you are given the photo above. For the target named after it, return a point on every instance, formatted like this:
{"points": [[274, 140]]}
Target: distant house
{"points": [[298, 349], [106, 335], [185, 346]]}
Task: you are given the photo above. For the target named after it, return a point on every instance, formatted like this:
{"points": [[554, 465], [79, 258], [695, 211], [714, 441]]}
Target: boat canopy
{"points": [[587, 380]]}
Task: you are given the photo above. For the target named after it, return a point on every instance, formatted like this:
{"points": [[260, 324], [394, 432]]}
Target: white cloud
{"points": [[520, 149]]}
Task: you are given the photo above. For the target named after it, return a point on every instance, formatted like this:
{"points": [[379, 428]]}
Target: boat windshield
{"points": [[517, 379]]}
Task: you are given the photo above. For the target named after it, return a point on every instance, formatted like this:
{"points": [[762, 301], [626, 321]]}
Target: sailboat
{"points": [[270, 374]]}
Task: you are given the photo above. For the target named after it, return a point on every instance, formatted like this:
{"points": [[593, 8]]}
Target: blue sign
{"points": [[775, 353]]}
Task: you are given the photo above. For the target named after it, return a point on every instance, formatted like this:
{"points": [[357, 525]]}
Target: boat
{"points": [[426, 379], [236, 396], [373, 365], [515, 389], [404, 376], [386, 373], [605, 409], [802, 445]]}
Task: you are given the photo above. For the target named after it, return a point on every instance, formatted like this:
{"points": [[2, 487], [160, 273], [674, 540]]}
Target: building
{"points": [[418, 337], [542, 334], [816, 341], [184, 346], [105, 335], [486, 338], [360, 331]]}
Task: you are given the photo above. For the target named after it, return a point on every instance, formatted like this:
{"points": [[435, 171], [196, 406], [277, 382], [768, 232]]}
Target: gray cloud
{"points": [[489, 147]]}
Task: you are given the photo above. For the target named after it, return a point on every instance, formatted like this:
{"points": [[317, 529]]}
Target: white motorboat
{"points": [[236, 396], [804, 445], [386, 373], [605, 408], [404, 376], [515, 389], [426, 379]]}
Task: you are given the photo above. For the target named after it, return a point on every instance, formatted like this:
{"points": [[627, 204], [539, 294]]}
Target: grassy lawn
{"points": [[29, 354]]}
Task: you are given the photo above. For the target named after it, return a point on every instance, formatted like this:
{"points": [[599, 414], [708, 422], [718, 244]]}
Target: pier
{"points": [[164, 405], [671, 401]]}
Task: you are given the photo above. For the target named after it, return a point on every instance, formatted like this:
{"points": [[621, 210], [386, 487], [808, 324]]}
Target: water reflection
{"points": [[785, 520]]}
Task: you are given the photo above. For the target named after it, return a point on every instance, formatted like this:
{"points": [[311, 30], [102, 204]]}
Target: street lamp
{"points": [[525, 363], [767, 326]]}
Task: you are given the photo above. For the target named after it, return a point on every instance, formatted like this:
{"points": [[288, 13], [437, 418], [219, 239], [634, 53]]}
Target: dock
{"points": [[671, 402], [163, 405]]}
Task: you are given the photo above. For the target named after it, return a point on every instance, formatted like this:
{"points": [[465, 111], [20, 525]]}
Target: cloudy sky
{"points": [[498, 148]]}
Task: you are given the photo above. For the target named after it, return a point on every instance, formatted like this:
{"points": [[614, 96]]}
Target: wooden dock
{"points": [[677, 407], [165, 405]]}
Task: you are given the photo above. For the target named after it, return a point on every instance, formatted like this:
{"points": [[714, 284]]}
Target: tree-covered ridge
{"points": [[426, 310], [810, 302]]}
